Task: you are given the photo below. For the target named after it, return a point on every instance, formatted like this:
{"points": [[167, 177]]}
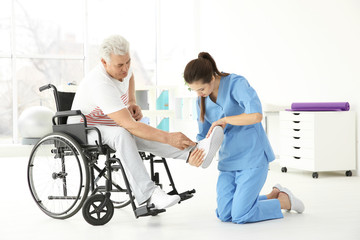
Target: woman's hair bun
{"points": [[204, 55]]}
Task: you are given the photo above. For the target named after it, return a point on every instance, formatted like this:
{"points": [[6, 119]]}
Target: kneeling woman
{"points": [[227, 100]]}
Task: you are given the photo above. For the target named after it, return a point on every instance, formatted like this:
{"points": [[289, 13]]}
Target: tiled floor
{"points": [[332, 210]]}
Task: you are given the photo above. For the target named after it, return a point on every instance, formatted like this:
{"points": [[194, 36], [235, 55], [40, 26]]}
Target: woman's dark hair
{"points": [[202, 69]]}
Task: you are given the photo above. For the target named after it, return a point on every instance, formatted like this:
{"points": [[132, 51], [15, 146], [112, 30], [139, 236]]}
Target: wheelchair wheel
{"points": [[98, 210], [58, 175]]}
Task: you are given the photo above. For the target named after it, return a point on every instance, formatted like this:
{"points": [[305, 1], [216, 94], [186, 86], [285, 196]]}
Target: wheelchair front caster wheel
{"points": [[98, 210]]}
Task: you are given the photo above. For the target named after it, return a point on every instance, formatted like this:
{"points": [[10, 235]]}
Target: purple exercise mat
{"points": [[320, 106]]}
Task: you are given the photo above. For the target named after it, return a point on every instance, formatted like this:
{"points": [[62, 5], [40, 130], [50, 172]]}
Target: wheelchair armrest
{"points": [[100, 145], [68, 114]]}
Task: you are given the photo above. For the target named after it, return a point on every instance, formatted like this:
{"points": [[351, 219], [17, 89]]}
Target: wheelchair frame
{"points": [[68, 143]]}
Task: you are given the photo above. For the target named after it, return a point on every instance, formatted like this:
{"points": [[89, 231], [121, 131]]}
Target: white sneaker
{"points": [[296, 204], [211, 145], [278, 186], [162, 200]]}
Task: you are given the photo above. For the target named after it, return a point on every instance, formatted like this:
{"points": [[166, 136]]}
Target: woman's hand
{"points": [[221, 122], [196, 157], [135, 112]]}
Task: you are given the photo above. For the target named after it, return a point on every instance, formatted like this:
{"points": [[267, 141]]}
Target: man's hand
{"points": [[135, 111], [179, 140]]}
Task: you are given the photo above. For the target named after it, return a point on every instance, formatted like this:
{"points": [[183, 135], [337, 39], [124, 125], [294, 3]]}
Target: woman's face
{"points": [[203, 89]]}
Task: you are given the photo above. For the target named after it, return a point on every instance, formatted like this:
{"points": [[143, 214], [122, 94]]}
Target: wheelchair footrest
{"points": [[186, 195], [144, 211]]}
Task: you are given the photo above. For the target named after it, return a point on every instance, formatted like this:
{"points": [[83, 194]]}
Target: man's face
{"points": [[118, 67]]}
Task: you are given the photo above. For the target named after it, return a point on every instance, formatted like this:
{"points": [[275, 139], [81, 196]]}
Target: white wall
{"points": [[289, 50]]}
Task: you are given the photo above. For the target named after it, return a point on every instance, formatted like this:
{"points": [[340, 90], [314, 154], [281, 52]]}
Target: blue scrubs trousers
{"points": [[238, 199]]}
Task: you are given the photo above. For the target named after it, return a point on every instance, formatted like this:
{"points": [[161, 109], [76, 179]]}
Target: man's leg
{"points": [[124, 143], [161, 149]]}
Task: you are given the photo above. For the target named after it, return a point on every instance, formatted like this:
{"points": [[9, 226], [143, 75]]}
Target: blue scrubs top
{"points": [[244, 147]]}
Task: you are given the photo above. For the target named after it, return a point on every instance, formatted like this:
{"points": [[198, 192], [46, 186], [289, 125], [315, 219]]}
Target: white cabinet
{"points": [[318, 141]]}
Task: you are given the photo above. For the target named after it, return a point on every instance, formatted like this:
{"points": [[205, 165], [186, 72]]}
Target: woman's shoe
{"points": [[296, 204], [278, 186]]}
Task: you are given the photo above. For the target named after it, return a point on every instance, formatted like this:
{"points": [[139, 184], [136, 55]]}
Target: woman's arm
{"points": [[238, 120], [244, 119]]}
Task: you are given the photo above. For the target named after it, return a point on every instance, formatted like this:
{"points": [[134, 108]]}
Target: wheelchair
{"points": [[64, 173]]}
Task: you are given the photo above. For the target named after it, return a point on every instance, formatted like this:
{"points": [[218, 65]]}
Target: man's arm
{"points": [[133, 108], [176, 139], [132, 99]]}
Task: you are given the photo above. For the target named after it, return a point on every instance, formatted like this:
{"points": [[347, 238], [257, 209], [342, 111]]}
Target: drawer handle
{"points": [[296, 137], [297, 157], [296, 129], [297, 147], [296, 113], [296, 121]]}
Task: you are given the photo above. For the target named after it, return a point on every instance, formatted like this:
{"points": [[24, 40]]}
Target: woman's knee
{"points": [[241, 219], [223, 216], [242, 212], [230, 216]]}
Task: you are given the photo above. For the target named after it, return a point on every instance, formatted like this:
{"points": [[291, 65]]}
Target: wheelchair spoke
{"points": [[58, 176], [92, 212]]}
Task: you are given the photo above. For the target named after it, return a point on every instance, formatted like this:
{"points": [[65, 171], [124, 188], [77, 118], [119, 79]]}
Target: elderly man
{"points": [[106, 96]]}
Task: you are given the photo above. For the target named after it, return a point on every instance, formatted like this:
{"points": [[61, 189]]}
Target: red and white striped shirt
{"points": [[97, 116], [98, 95]]}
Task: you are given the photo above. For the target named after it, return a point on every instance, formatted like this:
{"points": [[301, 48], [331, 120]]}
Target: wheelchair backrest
{"points": [[65, 102], [77, 130]]}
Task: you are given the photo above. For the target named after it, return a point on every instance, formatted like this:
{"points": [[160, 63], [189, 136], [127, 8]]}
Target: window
{"points": [[37, 47], [176, 40], [136, 21], [57, 42], [6, 120]]}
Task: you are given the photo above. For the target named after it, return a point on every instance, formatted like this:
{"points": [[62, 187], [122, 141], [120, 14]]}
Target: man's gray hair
{"points": [[114, 44]]}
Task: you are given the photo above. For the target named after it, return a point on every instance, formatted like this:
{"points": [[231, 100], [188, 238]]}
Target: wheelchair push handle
{"points": [[56, 96], [47, 86]]}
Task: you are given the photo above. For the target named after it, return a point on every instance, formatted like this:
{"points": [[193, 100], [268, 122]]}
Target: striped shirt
{"points": [[99, 94]]}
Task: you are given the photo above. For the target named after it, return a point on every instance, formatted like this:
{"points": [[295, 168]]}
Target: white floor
{"points": [[332, 210]]}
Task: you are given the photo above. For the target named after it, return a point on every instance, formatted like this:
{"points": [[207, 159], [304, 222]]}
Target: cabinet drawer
{"points": [[297, 162], [297, 152], [294, 141], [296, 116], [297, 124], [297, 132]]}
